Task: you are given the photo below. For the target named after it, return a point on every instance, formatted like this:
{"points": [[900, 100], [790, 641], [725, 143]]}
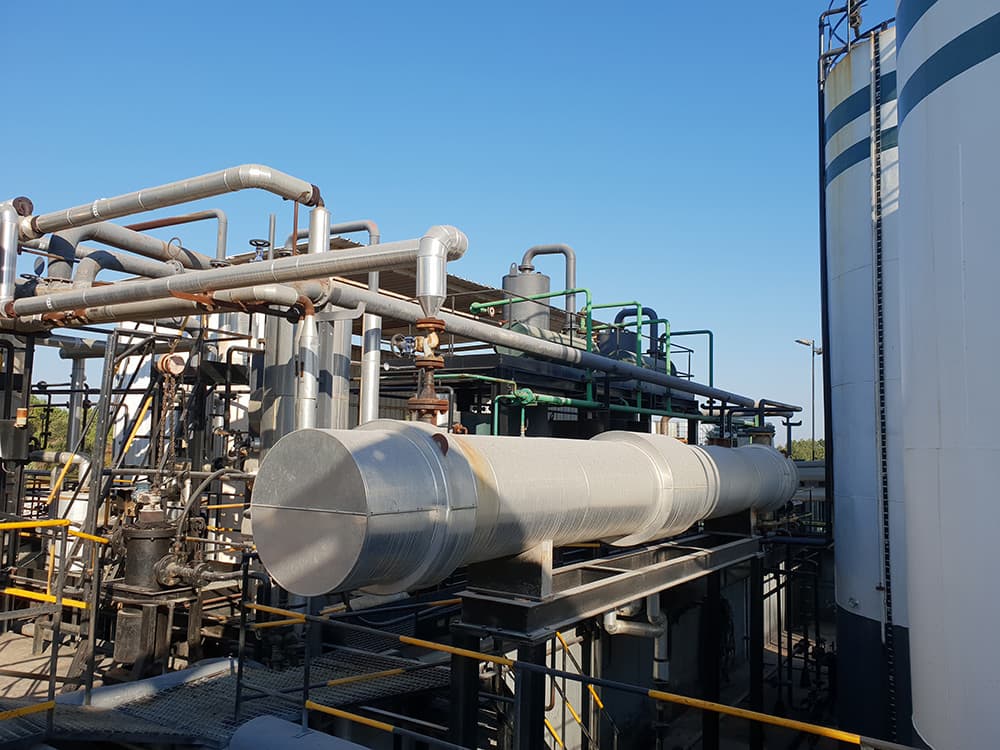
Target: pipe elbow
{"points": [[615, 626], [86, 272], [452, 240], [251, 176], [222, 233], [374, 233], [438, 245], [557, 249], [262, 177], [361, 225]]}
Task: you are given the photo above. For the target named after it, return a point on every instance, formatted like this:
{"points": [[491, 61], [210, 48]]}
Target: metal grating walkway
{"points": [[201, 712]]}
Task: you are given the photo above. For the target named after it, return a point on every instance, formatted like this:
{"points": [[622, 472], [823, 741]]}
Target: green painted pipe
{"points": [[477, 307], [530, 398]]}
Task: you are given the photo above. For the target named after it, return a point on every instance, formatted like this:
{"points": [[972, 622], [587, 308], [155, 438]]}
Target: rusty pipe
{"points": [[171, 221]]}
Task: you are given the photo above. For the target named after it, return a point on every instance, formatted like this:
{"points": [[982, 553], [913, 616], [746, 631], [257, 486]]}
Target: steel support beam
{"points": [[464, 719], [588, 589], [529, 697], [711, 629], [756, 648]]}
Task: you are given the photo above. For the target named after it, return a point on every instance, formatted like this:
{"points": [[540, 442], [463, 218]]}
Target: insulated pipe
{"points": [[60, 457], [77, 382], [93, 261], [8, 251], [432, 260], [204, 186], [172, 221], [371, 333], [277, 414], [565, 250], [347, 295], [273, 294], [335, 374], [371, 340], [80, 460], [296, 268], [615, 626], [657, 628], [72, 348], [65, 245], [661, 645], [392, 506], [307, 382]]}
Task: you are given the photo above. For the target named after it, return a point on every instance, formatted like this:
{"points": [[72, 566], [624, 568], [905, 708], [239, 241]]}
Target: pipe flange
{"points": [[427, 404], [166, 571], [430, 324], [429, 363]]}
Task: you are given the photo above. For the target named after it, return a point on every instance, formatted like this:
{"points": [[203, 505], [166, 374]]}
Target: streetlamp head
{"points": [[805, 342]]}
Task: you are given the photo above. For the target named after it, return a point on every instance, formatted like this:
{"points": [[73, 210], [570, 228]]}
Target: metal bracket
{"points": [[528, 574], [351, 313]]}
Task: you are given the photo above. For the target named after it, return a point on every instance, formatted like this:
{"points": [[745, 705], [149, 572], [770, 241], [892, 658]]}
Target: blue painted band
{"points": [[907, 15], [858, 103], [965, 51], [859, 152]]}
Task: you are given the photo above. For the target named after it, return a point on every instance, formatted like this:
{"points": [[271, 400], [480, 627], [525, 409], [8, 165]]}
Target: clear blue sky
{"points": [[672, 144]]}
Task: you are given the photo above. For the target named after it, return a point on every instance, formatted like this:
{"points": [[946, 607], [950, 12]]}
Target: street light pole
{"points": [[811, 343]]}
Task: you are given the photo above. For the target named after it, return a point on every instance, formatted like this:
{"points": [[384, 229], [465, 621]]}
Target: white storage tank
{"points": [[949, 72], [862, 253]]}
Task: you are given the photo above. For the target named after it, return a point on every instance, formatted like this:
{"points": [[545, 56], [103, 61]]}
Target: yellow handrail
{"points": [[554, 733], [89, 537], [357, 718], [40, 597], [742, 713], [41, 523], [278, 623], [657, 695], [54, 491], [26, 710], [365, 677]]}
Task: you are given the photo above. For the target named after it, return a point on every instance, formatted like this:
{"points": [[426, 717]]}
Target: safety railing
{"points": [[816, 730]]}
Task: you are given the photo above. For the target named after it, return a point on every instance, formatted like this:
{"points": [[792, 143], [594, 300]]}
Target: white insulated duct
{"points": [[392, 506]]}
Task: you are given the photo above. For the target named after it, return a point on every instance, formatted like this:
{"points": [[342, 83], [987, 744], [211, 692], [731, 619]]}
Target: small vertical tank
{"points": [[527, 283]]}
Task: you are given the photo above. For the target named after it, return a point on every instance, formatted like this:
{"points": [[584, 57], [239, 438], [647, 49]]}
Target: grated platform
{"points": [[202, 712]]}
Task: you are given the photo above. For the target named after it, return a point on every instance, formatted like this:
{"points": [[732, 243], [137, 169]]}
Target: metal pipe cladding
{"points": [[392, 506]]}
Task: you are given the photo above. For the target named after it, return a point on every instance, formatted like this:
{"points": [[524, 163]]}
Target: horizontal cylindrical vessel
{"points": [[392, 506]]}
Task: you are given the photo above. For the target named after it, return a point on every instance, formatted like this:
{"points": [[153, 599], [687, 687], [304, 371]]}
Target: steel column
{"points": [[465, 693], [711, 629], [756, 648], [529, 700]]}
